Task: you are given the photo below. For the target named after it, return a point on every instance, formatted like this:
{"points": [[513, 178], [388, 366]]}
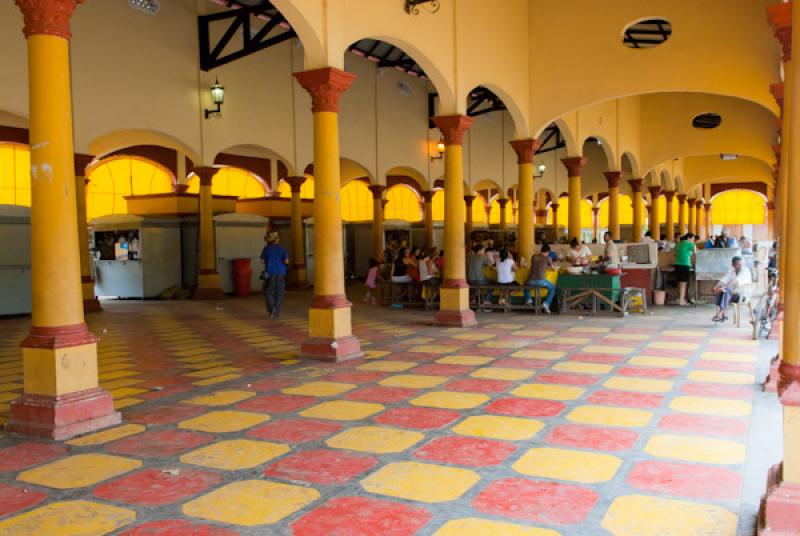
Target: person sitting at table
{"points": [[610, 253], [400, 267], [648, 237], [746, 245], [506, 268], [683, 265], [725, 289], [476, 261], [538, 278], [579, 254]]}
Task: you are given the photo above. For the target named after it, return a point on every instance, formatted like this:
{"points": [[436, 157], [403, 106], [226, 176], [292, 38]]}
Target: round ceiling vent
{"points": [[647, 33], [708, 120]]}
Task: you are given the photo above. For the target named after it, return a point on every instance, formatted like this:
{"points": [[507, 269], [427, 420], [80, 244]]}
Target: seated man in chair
{"points": [[725, 291]]}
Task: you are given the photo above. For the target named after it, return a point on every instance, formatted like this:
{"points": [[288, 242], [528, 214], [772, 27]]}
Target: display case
{"points": [[15, 260]]}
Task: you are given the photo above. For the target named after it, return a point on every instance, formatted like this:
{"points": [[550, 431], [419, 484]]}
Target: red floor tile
{"points": [[704, 425], [14, 499], [356, 376], [718, 390], [525, 407], [536, 501], [378, 393], [729, 348], [160, 443], [589, 437], [477, 385], [555, 347], [177, 527], [277, 403], [295, 430], [438, 369], [468, 451], [271, 384], [167, 391], [627, 399], [567, 379], [597, 358], [155, 487], [725, 365], [686, 480], [663, 352], [418, 418], [516, 362], [321, 466], [649, 372], [361, 516], [28, 454], [165, 414]]}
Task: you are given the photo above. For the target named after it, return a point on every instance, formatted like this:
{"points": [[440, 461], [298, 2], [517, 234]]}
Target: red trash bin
{"points": [[242, 277]]}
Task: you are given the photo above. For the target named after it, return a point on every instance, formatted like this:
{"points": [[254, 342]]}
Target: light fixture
{"points": [[412, 6], [440, 148], [729, 156], [217, 97], [540, 168], [148, 6]]}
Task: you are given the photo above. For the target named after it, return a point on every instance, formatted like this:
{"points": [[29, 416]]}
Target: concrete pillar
{"points": [[613, 178], [298, 275], [654, 225], [427, 198], [377, 220], [208, 286], [692, 213], [638, 208], [90, 302], [574, 164], [468, 200], [681, 214], [525, 150], [502, 203], [670, 216]]}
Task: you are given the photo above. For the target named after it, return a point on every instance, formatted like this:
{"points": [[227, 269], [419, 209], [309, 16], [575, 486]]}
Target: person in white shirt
{"points": [[579, 254], [506, 268], [725, 290]]}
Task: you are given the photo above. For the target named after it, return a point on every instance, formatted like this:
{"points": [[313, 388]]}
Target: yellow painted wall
{"points": [[15, 175], [735, 207], [114, 178], [402, 204], [356, 202]]}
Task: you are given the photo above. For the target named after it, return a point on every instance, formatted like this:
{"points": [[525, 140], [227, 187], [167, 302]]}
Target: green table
{"points": [[610, 284]]}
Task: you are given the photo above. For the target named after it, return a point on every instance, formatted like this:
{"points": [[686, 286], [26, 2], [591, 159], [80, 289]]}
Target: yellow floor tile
{"points": [[342, 410], [213, 371], [696, 449], [739, 343], [69, 518], [235, 454], [642, 385], [470, 360], [105, 436], [449, 400], [8, 397], [219, 422], [217, 379], [641, 515], [387, 366], [717, 376], [683, 333], [418, 340], [563, 464], [589, 329], [729, 356], [200, 359], [473, 526], [413, 481], [504, 344], [123, 392], [616, 337], [504, 325], [608, 416], [125, 382], [500, 373], [711, 406], [548, 355], [497, 427], [375, 439], [474, 336], [320, 388], [192, 351], [656, 361], [603, 349], [413, 381], [568, 340], [221, 398], [375, 354], [578, 367], [548, 391], [116, 375], [10, 387], [674, 345], [122, 403], [533, 333], [434, 349], [78, 471], [251, 502]]}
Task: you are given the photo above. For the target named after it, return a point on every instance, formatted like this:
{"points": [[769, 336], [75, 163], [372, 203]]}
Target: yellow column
{"points": [[427, 198], [596, 224], [654, 225], [208, 287], [681, 214], [503, 220], [525, 150], [330, 331], [298, 275], [454, 294], [61, 396], [670, 216], [90, 302], [707, 219], [554, 208], [638, 209], [613, 177], [690, 203], [468, 200], [377, 220], [541, 207], [574, 165], [771, 219]]}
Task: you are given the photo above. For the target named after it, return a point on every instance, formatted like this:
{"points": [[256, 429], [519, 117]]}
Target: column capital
{"points": [[595, 210], [453, 127], [613, 178], [295, 182], [47, 17], [205, 174], [384, 202], [636, 184], [377, 190], [554, 206], [574, 165], [706, 206], [780, 18], [427, 195], [82, 161], [655, 191], [770, 205], [542, 213], [525, 150], [326, 86], [503, 202], [669, 194], [777, 93], [681, 199], [468, 199], [698, 203]]}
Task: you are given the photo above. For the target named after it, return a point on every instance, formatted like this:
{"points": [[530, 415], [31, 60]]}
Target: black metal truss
{"points": [[551, 140], [482, 101]]}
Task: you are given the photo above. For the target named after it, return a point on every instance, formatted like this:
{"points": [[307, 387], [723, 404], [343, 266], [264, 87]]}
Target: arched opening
{"points": [[306, 189], [478, 209], [234, 182], [15, 174], [738, 207], [356, 199], [495, 211], [112, 179], [402, 203], [625, 211], [437, 205]]}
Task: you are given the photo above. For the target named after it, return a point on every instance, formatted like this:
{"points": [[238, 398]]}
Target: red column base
{"points": [[780, 507], [92, 306], [770, 384], [208, 294], [62, 417], [332, 350], [461, 319]]}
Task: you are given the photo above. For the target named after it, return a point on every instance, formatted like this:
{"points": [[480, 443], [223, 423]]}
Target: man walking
{"points": [[275, 259]]}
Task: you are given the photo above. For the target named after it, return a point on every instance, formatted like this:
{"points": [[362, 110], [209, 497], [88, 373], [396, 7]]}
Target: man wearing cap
{"points": [[275, 259]]}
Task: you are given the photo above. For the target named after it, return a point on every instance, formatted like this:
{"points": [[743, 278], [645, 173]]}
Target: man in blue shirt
{"points": [[275, 259]]}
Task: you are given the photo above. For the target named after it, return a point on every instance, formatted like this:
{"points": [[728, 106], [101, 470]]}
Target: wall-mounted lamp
{"points": [[217, 97], [440, 148], [412, 6], [540, 168]]}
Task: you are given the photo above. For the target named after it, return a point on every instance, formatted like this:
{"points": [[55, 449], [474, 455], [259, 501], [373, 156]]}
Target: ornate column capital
{"points": [[595, 210], [669, 194], [707, 206], [453, 127], [205, 174], [636, 184], [468, 199], [780, 18], [377, 190], [82, 161], [295, 182], [770, 205], [525, 150], [681, 199], [574, 165], [427, 196], [502, 202], [48, 17], [554, 206], [777, 93], [655, 191], [325, 86], [613, 178]]}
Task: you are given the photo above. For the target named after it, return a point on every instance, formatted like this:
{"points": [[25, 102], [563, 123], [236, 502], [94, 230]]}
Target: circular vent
{"points": [[707, 121], [647, 33]]}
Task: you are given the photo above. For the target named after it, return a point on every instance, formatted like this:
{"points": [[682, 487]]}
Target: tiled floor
{"points": [[523, 426]]}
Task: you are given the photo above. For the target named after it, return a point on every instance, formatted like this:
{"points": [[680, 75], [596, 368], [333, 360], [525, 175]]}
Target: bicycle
{"points": [[766, 311]]}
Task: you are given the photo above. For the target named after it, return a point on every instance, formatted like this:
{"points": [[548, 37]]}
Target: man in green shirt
{"points": [[683, 265]]}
